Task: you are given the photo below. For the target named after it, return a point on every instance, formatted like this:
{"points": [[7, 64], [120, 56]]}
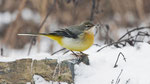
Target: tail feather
{"points": [[29, 34], [50, 35]]}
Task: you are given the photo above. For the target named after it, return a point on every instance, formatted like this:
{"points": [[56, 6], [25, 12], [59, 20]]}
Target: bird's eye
{"points": [[87, 25]]}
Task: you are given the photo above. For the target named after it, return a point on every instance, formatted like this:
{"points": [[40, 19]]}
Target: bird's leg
{"points": [[78, 56], [74, 53], [82, 57], [83, 54]]}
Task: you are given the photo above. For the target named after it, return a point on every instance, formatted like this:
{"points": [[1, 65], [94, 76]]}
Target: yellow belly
{"points": [[82, 43], [79, 44]]}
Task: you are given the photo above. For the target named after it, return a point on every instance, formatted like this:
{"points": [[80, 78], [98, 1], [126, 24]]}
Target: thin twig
{"points": [[97, 27], [131, 39], [127, 81], [139, 28], [118, 78], [118, 59], [138, 34], [74, 53], [41, 25], [66, 52], [33, 42], [107, 35], [113, 44], [58, 51], [92, 10], [136, 37], [112, 81], [49, 12], [97, 45], [2, 51]]}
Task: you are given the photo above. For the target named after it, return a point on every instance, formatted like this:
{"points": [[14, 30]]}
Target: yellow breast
{"points": [[80, 44]]}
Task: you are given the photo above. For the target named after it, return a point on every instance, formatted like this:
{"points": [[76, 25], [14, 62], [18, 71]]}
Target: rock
{"points": [[22, 71]]}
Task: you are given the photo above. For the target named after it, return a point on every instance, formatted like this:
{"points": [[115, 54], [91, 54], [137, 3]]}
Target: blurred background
{"points": [[33, 16]]}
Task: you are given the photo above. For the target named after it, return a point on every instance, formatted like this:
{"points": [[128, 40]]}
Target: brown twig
{"points": [[97, 45], [107, 37], [118, 59], [59, 51], [139, 28], [92, 10], [97, 27], [2, 51], [112, 81], [141, 34], [66, 52], [114, 43], [33, 42], [41, 25], [11, 33], [118, 78], [49, 12], [127, 81], [131, 40]]}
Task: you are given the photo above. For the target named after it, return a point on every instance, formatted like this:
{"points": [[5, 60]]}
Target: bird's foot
{"points": [[81, 57]]}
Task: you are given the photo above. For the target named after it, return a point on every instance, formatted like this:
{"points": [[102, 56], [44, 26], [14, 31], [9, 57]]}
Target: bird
{"points": [[74, 38]]}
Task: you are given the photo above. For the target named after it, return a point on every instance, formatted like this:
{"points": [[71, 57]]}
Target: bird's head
{"points": [[87, 25]]}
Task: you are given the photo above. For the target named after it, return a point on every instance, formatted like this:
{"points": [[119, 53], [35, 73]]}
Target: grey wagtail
{"points": [[75, 38]]}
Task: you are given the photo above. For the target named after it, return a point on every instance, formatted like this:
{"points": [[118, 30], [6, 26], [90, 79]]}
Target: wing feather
{"points": [[65, 33]]}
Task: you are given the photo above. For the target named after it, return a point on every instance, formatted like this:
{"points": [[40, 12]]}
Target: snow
{"points": [[12, 55], [6, 18], [101, 70], [39, 80], [135, 70], [28, 14]]}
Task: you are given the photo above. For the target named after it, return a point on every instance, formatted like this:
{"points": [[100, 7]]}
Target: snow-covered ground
{"points": [[135, 70]]}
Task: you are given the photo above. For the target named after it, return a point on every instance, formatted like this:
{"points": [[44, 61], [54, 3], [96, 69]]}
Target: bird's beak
{"points": [[90, 29]]}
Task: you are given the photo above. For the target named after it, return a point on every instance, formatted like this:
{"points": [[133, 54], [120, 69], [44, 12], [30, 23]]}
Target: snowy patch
{"points": [[101, 71], [135, 70], [39, 80]]}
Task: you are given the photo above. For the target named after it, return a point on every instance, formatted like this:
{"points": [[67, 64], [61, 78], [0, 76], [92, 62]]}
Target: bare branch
{"points": [[118, 78], [97, 45], [66, 52], [2, 51], [127, 82], [139, 28], [33, 42], [41, 25], [92, 10], [59, 51], [114, 43], [131, 40], [118, 59]]}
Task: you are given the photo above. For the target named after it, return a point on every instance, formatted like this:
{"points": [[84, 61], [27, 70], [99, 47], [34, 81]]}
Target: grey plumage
{"points": [[70, 32]]}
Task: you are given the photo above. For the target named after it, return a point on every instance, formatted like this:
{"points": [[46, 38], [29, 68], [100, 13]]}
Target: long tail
{"points": [[29, 34], [53, 37]]}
